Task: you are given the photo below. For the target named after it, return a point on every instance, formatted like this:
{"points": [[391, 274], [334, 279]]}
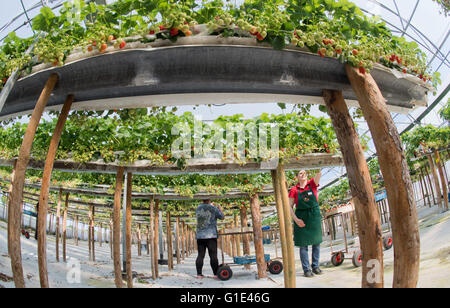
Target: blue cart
{"points": [[274, 266]]}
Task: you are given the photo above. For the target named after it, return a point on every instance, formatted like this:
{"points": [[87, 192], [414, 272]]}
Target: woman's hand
{"points": [[300, 223]]}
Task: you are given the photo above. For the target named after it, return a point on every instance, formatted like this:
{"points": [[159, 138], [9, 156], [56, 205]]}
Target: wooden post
{"points": [[443, 181], [116, 227], [17, 185], [169, 242], [100, 234], [281, 223], [282, 186], [257, 232], [43, 198], [393, 165], [436, 180], [93, 233], [76, 230], [430, 185], [233, 241], [58, 218], [128, 221], [139, 244], [238, 238], [111, 237], [178, 240], [147, 236], [90, 233], [245, 237], [156, 239], [152, 237], [363, 196], [66, 209], [183, 241]]}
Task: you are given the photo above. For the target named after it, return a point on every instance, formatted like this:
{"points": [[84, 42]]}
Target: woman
{"points": [[307, 218]]}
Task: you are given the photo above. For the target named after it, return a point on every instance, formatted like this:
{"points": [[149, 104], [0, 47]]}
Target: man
{"points": [[207, 215], [307, 218]]}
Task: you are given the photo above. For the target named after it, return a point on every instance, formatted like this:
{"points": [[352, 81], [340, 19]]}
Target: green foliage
{"points": [[332, 28], [444, 113]]}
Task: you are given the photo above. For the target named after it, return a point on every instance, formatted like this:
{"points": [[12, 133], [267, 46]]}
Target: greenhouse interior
{"points": [[301, 143]]}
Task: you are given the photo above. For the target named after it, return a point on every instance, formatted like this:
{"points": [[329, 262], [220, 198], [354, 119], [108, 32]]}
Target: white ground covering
{"points": [[434, 271]]}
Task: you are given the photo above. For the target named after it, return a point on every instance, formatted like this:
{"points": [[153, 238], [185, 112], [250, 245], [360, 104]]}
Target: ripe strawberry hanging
{"points": [[174, 31]]}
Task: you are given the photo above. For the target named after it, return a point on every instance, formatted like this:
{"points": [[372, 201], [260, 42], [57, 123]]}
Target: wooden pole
{"points": [[152, 237], [43, 198], [156, 239], [281, 223], [100, 234], [139, 242], [58, 218], [169, 242], [116, 228], [443, 181], [430, 185], [128, 221], [238, 238], [245, 237], [178, 240], [282, 186], [436, 180], [183, 241], [76, 230], [90, 233], [17, 185], [358, 174], [147, 234], [66, 209], [393, 165], [257, 233], [93, 233]]}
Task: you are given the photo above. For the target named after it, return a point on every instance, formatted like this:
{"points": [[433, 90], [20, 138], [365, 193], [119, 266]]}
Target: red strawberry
{"points": [[174, 31], [404, 70], [94, 43], [122, 45], [325, 145], [362, 70], [161, 27], [259, 37], [90, 48], [152, 32], [355, 52]]}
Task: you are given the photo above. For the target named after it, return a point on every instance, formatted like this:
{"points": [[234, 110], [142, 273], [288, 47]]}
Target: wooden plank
{"points": [[128, 221], [258, 237], [66, 207]]}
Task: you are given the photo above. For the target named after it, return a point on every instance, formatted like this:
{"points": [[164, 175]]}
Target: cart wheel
{"points": [[224, 272], [275, 267], [27, 235], [387, 242], [337, 258], [357, 258]]}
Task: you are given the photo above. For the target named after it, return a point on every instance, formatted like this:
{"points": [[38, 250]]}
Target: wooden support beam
{"points": [[128, 222], [437, 159], [258, 236], [282, 186], [169, 242], [393, 165], [66, 208], [437, 187], [17, 185], [76, 230], [156, 239], [245, 237], [93, 233], [238, 237], [43, 199], [90, 233], [58, 219], [116, 228], [178, 239], [366, 209], [152, 238], [282, 225]]}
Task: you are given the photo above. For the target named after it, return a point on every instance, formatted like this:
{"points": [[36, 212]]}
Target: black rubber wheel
{"points": [[224, 272], [27, 235], [357, 259], [387, 242], [337, 258], [275, 267]]}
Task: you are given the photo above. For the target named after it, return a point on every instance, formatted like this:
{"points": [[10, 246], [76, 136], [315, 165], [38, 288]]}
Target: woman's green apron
{"points": [[308, 210]]}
